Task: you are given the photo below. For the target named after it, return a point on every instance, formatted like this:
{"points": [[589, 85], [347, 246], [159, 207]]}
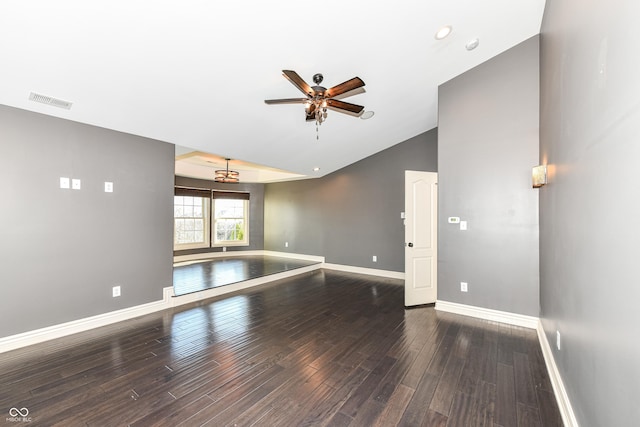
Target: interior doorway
{"points": [[421, 238]]}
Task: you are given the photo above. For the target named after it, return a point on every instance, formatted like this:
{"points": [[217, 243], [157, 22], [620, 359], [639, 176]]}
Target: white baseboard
{"points": [[57, 331], [315, 258], [488, 314], [169, 300], [362, 270], [211, 255], [222, 290], [564, 405]]}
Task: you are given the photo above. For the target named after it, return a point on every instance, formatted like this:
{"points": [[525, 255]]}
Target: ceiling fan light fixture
{"points": [[227, 176], [367, 115], [443, 32]]}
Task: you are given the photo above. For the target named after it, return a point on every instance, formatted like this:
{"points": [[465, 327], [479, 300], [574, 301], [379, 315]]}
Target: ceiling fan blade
{"points": [[347, 86], [297, 81], [286, 101], [347, 106]]}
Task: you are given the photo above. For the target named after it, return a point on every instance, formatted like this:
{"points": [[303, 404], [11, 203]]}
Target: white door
{"points": [[421, 237]]}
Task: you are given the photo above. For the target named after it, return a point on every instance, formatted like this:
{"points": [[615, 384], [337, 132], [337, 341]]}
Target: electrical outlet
{"points": [[375, 259], [108, 187], [116, 291], [286, 244], [463, 287], [224, 249], [558, 340], [463, 225]]}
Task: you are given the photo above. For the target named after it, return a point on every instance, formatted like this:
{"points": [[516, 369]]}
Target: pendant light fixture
{"points": [[227, 176]]}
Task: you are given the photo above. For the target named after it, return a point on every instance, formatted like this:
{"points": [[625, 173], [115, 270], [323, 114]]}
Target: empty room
{"points": [[416, 213]]}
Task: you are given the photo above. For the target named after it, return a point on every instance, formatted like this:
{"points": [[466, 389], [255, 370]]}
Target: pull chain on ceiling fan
{"points": [[319, 98]]}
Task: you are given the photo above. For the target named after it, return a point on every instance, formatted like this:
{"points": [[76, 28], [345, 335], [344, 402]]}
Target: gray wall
{"points": [[488, 143], [63, 250], [352, 214], [590, 137], [256, 212]]}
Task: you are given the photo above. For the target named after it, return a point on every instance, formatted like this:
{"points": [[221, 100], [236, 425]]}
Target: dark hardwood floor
{"points": [[322, 348], [194, 276]]}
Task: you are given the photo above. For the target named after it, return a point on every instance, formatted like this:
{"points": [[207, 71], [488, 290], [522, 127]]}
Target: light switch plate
{"points": [[75, 184], [65, 182]]}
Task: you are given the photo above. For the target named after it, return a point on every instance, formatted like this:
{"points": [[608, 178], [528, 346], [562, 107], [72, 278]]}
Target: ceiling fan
{"points": [[320, 98]]}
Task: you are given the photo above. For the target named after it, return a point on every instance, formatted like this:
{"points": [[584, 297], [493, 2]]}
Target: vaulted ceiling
{"points": [[196, 73]]}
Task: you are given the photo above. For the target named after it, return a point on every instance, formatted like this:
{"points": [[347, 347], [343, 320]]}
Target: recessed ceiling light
{"points": [[367, 115], [443, 32], [316, 169], [472, 44]]}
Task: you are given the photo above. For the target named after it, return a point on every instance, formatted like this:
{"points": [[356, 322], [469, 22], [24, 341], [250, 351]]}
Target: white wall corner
{"points": [[564, 405]]}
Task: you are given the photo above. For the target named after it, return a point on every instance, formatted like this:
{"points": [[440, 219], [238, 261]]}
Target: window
{"points": [[230, 216], [191, 222], [197, 212]]}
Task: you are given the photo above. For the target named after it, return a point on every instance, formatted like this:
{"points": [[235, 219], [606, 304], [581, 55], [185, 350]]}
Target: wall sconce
{"points": [[539, 176]]}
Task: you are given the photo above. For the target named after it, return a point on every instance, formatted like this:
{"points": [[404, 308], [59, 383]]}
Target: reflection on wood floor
{"points": [[194, 276], [320, 349]]}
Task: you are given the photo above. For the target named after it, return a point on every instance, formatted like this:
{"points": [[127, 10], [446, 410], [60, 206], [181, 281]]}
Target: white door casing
{"points": [[421, 238]]}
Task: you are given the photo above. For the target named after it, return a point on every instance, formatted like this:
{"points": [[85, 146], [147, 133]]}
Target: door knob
{"points": [[410, 244]]}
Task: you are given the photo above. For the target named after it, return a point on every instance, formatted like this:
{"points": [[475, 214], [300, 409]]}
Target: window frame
{"points": [[206, 216], [209, 217], [215, 243]]}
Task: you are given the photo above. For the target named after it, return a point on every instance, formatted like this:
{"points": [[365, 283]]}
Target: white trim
{"points": [[296, 256], [13, 342], [226, 289], [168, 300], [488, 314], [564, 404], [209, 255], [363, 270]]}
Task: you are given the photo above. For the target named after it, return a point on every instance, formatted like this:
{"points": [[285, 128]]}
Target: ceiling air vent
{"points": [[44, 99]]}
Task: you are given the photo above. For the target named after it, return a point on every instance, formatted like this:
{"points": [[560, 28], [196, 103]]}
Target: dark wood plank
{"points": [[525, 391], [528, 416], [506, 414], [322, 348], [395, 407], [435, 419], [462, 410], [444, 394], [548, 407]]}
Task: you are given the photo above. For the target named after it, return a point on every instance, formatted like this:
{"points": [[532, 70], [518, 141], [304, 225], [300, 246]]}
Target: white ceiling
{"points": [[196, 73]]}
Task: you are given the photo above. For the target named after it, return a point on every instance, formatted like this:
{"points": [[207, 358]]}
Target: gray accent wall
{"points": [[352, 214], [256, 212], [62, 251], [589, 242], [487, 145]]}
